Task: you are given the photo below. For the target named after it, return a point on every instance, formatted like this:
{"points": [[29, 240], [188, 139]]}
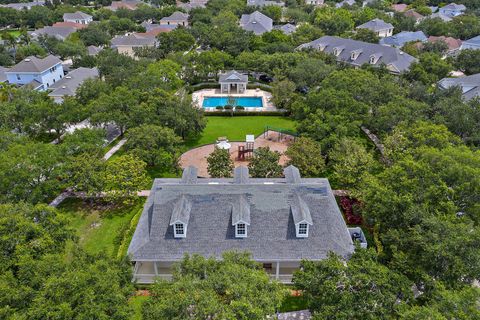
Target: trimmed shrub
{"points": [[219, 107]]}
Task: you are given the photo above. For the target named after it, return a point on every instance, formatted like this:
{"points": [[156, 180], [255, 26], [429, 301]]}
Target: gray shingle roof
{"points": [[300, 211], [79, 15], [271, 234], [256, 22], [286, 28], [133, 40], [376, 25], [403, 37], [262, 3], [232, 76], [176, 16], [181, 210], [454, 6], [470, 85], [68, 85], [241, 210], [22, 5], [240, 175], [396, 60], [441, 16], [61, 33], [93, 50], [292, 174], [190, 175], [3, 75], [34, 64]]}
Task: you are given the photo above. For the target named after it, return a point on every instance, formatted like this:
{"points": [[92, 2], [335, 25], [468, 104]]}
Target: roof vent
{"points": [[189, 175], [27, 60], [64, 87], [68, 77], [292, 174]]}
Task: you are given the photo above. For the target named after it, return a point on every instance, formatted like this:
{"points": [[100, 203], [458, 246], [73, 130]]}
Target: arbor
{"points": [[208, 288], [264, 164], [220, 165], [306, 155], [156, 145], [361, 288]]}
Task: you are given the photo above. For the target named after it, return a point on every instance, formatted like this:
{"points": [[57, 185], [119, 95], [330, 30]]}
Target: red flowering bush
{"points": [[352, 210]]}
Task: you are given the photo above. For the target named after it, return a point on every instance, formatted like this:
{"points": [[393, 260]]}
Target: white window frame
{"points": [[300, 226], [175, 230], [372, 60], [237, 233]]}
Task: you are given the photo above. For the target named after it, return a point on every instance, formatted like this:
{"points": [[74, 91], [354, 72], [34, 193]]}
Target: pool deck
{"points": [[198, 96]]}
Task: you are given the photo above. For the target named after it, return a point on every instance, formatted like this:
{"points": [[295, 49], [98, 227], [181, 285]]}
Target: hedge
{"points": [[243, 113]]}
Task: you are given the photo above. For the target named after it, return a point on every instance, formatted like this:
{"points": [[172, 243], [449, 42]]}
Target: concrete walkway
{"points": [[115, 148]]}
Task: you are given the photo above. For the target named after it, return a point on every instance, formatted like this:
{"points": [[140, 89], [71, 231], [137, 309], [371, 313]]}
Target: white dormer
{"points": [[355, 54], [338, 50], [301, 216], [180, 217], [374, 58], [241, 216]]}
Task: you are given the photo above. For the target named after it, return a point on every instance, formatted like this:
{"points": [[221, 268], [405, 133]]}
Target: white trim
{"points": [[239, 235], [179, 235], [297, 229]]}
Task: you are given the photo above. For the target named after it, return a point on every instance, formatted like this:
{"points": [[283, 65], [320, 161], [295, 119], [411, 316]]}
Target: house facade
{"points": [[452, 9], [380, 27], [38, 73], [358, 53], [233, 82], [77, 17], [279, 221]]}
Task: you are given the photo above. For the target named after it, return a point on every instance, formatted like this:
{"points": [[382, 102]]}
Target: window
{"points": [[372, 60], [241, 230], [303, 229], [179, 230], [18, 77]]}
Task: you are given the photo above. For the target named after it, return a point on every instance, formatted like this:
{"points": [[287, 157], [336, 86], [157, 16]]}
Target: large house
{"points": [[23, 5], [128, 43], [69, 84], [175, 19], [77, 17], [125, 4], [263, 3], [280, 221], [452, 9], [380, 27], [358, 53], [58, 32], [38, 73], [470, 85], [256, 22], [400, 39], [472, 44], [452, 44], [192, 4]]}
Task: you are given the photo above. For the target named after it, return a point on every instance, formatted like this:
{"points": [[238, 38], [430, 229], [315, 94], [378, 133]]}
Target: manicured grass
{"points": [[235, 128], [293, 303], [14, 33], [99, 227], [136, 303]]}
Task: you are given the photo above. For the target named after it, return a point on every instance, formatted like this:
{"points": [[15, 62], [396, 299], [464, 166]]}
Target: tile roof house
{"points": [[473, 44], [286, 28], [452, 9], [256, 22], [399, 7], [60, 33], [280, 221], [380, 27], [263, 3], [125, 4], [441, 16], [77, 17], [470, 85], [358, 53], [70, 82], [398, 40], [38, 73], [23, 5], [175, 19], [452, 43], [128, 43], [75, 25]]}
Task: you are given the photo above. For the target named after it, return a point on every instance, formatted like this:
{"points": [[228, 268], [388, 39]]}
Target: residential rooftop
{"points": [[470, 85], [400, 39], [256, 22], [376, 25], [68, 85], [33, 64]]}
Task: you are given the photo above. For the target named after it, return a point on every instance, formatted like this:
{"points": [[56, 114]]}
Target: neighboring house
{"points": [[256, 22], [473, 44], [400, 7], [441, 16], [233, 81], [280, 221], [263, 3], [38, 73], [345, 3], [69, 84], [414, 15], [398, 40], [128, 43], [153, 29], [77, 17], [23, 5], [452, 43], [470, 85], [60, 33], [125, 4], [3, 75], [77, 26], [176, 19], [358, 53], [314, 2], [380, 27], [452, 9], [193, 4], [286, 28], [93, 50]]}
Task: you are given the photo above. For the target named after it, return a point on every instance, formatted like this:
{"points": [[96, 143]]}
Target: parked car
{"points": [[265, 78]]}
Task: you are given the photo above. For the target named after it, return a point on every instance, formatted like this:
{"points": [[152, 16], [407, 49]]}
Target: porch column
{"points": [[155, 267], [277, 270]]}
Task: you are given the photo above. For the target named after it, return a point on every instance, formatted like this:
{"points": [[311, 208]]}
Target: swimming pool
{"points": [[246, 102]]}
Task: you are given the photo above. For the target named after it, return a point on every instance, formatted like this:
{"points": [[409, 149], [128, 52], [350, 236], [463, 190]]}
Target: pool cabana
{"points": [[233, 82]]}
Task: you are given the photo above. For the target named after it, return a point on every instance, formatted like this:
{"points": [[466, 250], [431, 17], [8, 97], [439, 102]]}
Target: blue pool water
{"points": [[246, 102]]}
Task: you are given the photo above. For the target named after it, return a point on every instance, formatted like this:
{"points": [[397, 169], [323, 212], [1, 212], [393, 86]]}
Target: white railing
{"points": [[283, 278], [150, 278]]}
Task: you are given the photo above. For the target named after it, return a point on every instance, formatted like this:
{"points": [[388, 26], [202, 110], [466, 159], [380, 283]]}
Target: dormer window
{"points": [[338, 50], [241, 230], [179, 230], [372, 60], [302, 230], [301, 216], [354, 54]]}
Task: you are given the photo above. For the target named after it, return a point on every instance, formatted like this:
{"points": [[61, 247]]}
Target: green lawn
{"points": [[235, 128], [14, 33], [99, 227]]}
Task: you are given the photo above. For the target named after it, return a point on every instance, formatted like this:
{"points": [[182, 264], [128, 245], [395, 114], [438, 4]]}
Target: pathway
{"points": [[112, 151]]}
